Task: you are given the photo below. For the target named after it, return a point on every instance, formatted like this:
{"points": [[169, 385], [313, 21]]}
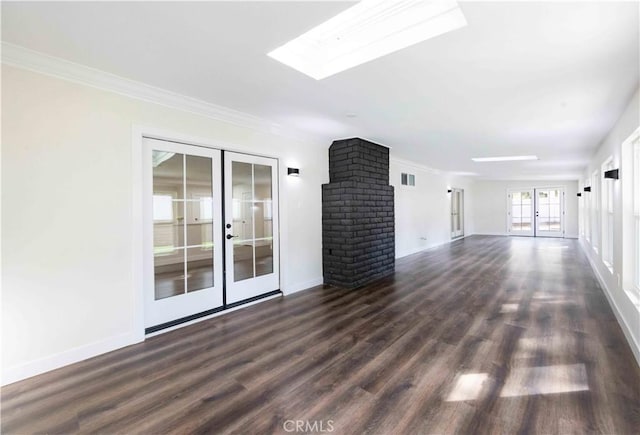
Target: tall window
{"points": [[630, 178], [607, 216], [636, 210], [595, 211]]}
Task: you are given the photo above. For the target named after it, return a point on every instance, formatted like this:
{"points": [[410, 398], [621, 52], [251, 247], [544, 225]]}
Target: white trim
{"points": [[414, 165], [20, 57], [77, 354], [626, 329], [302, 286], [429, 247]]}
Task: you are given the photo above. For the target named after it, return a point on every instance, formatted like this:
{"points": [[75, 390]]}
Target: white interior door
{"points": [[457, 213], [520, 214], [251, 223], [549, 212], [183, 237]]}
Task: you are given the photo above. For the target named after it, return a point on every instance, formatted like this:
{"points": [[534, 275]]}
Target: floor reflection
{"points": [[509, 308], [169, 284], [467, 387], [527, 381]]}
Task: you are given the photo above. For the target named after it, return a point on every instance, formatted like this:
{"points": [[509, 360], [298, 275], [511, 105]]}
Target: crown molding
{"points": [[24, 58], [415, 165]]}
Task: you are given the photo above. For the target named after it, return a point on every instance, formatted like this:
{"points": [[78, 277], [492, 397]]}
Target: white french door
{"points": [[457, 213], [536, 212], [549, 212], [183, 241], [186, 235], [520, 214], [251, 223]]}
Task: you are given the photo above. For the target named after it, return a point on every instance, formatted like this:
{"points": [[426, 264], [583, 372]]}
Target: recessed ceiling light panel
{"points": [[367, 31], [503, 159]]}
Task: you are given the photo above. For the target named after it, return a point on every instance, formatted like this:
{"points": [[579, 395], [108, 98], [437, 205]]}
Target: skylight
{"points": [[503, 159], [367, 31]]}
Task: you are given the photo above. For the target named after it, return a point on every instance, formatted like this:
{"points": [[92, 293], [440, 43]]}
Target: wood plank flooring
{"points": [[485, 335]]}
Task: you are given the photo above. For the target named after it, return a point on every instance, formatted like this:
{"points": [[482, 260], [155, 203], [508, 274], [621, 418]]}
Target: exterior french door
{"points": [[521, 212], [536, 212], [457, 213], [549, 212], [251, 222], [187, 235], [183, 243]]}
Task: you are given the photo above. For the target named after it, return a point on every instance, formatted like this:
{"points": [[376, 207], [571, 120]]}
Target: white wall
{"points": [[423, 211], [69, 269], [490, 204], [611, 146]]}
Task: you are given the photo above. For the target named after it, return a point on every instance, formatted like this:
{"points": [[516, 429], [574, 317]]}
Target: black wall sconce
{"points": [[294, 172], [587, 189], [449, 191], [579, 194], [612, 174]]}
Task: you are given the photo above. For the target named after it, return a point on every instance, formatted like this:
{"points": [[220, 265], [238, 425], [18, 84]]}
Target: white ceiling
{"points": [[538, 78]]}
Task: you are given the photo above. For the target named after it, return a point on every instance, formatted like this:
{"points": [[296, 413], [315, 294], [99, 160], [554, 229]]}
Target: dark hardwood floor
{"points": [[485, 335]]}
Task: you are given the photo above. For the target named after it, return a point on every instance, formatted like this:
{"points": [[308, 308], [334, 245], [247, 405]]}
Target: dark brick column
{"points": [[358, 239]]}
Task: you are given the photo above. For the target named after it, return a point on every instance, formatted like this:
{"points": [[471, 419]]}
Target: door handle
{"points": [[229, 236]]}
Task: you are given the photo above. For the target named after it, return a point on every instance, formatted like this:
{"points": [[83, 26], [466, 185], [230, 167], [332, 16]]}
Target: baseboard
{"points": [[295, 288], [81, 353], [39, 366], [635, 346], [426, 248], [490, 234]]}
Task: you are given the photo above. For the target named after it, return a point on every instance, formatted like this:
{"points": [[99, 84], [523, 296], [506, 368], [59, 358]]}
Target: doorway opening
{"points": [[536, 212], [210, 231]]}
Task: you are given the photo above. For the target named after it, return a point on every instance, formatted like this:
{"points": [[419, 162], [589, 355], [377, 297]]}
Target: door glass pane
{"points": [[243, 260], [262, 174], [516, 198], [198, 177], [169, 274], [543, 210], [199, 268], [168, 174], [264, 257], [200, 235]]}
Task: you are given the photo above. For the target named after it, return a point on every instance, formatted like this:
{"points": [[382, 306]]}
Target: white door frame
{"points": [[534, 206], [138, 132], [246, 289], [455, 235], [510, 193], [540, 233]]}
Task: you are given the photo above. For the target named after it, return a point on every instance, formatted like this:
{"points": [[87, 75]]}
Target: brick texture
{"points": [[358, 239]]}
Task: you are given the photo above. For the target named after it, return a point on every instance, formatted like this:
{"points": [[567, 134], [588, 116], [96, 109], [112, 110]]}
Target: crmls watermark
{"points": [[314, 426]]}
